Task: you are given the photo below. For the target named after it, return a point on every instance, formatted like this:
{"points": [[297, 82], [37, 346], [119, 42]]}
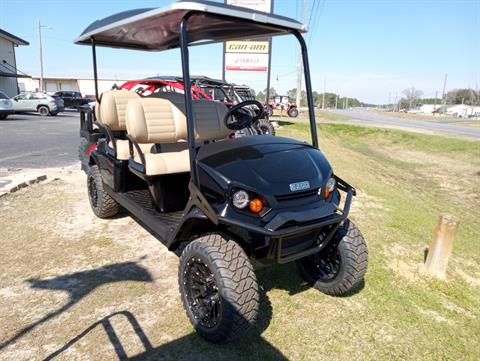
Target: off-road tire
{"points": [[353, 253], [268, 110], [265, 127], [43, 110], [103, 206], [293, 113], [235, 281]]}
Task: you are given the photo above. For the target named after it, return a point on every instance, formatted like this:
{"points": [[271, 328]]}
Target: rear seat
{"points": [[111, 113], [159, 120]]}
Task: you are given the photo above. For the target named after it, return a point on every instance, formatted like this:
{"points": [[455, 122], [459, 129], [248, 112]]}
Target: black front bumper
{"points": [[288, 243]]}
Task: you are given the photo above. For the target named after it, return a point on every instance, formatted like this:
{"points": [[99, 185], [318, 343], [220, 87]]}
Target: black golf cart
{"points": [[225, 206]]}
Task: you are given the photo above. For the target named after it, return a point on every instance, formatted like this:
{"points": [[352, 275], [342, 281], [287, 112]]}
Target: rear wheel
{"points": [[340, 268], [103, 206], [218, 287], [293, 113], [43, 110], [265, 127]]}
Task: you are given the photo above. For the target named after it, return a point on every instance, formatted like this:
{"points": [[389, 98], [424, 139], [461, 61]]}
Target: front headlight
{"points": [[240, 199], [329, 187]]}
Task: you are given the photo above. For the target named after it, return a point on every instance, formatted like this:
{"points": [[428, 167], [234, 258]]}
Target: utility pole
{"points": [[435, 104], [324, 90], [444, 97], [336, 99], [389, 99], [40, 26], [41, 55], [346, 106], [300, 62]]}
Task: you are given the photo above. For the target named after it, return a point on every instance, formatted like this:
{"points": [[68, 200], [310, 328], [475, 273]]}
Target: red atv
{"points": [[283, 103]]}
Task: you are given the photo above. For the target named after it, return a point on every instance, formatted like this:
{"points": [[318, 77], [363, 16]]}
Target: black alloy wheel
{"points": [[202, 293]]}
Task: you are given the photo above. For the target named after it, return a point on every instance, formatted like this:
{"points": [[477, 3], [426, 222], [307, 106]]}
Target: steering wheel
{"points": [[239, 117]]}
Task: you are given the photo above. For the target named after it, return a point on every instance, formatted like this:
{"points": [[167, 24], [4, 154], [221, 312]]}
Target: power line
{"points": [[316, 21]]}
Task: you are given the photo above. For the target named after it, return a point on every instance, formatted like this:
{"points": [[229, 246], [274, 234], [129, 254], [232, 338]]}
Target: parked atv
{"points": [[283, 103], [226, 206]]}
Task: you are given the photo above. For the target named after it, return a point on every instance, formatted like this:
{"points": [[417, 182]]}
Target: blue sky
{"points": [[370, 49]]}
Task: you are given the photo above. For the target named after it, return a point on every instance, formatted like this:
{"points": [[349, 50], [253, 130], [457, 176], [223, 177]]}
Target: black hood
{"points": [[265, 164]]}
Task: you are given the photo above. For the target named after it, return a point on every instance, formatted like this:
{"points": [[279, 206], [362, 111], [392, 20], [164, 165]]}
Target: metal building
{"points": [[9, 73]]}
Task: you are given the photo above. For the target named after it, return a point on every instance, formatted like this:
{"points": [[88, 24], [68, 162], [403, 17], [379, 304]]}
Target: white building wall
{"points": [[7, 52], [87, 86]]}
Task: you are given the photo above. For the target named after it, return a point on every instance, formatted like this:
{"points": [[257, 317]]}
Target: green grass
{"points": [[403, 181]]}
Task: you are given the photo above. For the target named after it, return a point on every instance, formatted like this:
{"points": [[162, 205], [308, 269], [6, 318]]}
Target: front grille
{"points": [[297, 195]]}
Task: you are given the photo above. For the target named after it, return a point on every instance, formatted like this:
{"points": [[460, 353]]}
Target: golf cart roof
{"points": [[157, 29]]}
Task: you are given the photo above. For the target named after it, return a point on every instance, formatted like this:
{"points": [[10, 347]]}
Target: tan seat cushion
{"points": [[166, 163], [153, 120], [123, 148], [112, 108]]}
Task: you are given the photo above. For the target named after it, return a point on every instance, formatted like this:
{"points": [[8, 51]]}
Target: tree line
{"points": [[332, 100]]}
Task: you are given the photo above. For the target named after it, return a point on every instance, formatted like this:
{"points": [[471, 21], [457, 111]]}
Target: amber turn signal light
{"points": [[256, 205]]}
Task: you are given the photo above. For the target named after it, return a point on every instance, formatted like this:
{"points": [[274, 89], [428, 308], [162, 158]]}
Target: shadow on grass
{"points": [[193, 347], [80, 284], [282, 122], [190, 347]]}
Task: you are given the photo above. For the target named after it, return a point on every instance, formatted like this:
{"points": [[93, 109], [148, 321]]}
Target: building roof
{"points": [[14, 39], [158, 29]]}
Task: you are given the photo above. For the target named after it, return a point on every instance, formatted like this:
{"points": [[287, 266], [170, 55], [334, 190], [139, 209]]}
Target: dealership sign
{"points": [[248, 55]]}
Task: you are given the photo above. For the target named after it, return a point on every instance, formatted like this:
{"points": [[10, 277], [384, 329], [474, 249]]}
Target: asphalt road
{"points": [[32, 141], [373, 118]]}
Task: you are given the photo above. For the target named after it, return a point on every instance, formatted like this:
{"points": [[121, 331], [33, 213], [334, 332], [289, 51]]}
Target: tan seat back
{"points": [[154, 120], [209, 123], [112, 108], [208, 115]]}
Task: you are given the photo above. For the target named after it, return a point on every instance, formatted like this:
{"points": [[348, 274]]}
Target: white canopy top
{"points": [[157, 29]]}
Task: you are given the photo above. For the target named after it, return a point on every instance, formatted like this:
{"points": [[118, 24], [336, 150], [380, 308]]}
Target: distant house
{"points": [[459, 110], [9, 73]]}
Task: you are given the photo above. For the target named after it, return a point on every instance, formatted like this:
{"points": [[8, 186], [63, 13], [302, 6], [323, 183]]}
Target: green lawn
{"points": [[405, 180]]}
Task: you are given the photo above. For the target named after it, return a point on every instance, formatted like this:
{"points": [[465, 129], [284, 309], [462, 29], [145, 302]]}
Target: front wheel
{"points": [[340, 268], [218, 287], [293, 113]]}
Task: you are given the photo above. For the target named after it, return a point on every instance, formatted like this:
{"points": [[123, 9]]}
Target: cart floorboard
{"points": [[140, 204]]}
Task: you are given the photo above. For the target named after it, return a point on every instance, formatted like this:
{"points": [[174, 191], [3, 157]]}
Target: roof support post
{"points": [[188, 96], [308, 86], [95, 75]]}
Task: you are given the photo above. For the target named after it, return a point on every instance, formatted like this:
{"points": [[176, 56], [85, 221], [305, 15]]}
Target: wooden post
{"points": [[442, 244]]}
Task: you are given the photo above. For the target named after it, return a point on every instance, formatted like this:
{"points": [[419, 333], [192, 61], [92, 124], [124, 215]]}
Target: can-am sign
{"points": [[260, 47], [248, 55], [259, 5]]}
